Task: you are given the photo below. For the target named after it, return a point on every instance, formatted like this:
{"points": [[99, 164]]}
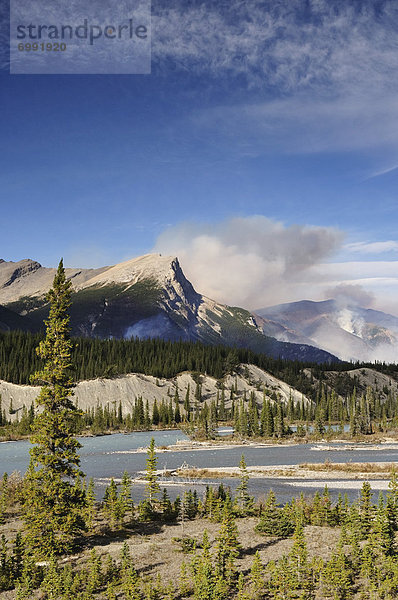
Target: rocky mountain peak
{"points": [[11, 271], [164, 271], [148, 296]]}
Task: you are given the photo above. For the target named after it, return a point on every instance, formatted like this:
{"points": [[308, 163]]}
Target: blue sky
{"points": [[279, 116]]}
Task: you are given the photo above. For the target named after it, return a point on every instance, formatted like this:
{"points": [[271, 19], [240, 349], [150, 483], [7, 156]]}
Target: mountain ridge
{"points": [[148, 296], [340, 327]]}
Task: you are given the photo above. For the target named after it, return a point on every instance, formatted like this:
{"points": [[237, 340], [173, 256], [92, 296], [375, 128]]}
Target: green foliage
{"points": [[112, 505], [227, 546], [364, 569], [337, 577], [366, 509], [53, 505], [152, 488], [257, 581], [275, 521], [187, 545], [243, 501]]}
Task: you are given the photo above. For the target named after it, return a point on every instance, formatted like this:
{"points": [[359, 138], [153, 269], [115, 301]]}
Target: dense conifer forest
{"points": [[337, 401], [107, 358]]}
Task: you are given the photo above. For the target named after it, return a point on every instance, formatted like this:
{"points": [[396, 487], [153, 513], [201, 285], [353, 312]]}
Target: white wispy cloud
{"points": [[318, 76], [383, 171], [373, 247], [302, 124], [287, 43]]}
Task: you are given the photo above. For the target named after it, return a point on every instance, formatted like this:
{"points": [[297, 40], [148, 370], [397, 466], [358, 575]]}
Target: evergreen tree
{"points": [[266, 419], [366, 508], [90, 506], [125, 500], [166, 506], [243, 500], [155, 413], [383, 530], [112, 504], [256, 578], [227, 546], [53, 505], [280, 429], [392, 497], [298, 558], [187, 404], [152, 488], [52, 582], [337, 576], [274, 521], [204, 579]]}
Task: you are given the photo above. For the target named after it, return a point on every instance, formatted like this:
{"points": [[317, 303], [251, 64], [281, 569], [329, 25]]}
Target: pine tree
{"points": [[298, 558], [257, 577], [185, 582], [125, 500], [187, 404], [243, 500], [155, 413], [24, 587], [90, 508], [337, 576], [129, 577], [166, 506], [366, 508], [111, 503], [266, 419], [392, 497], [382, 530], [52, 582], [3, 497], [110, 591], [204, 578], [227, 546], [53, 506], [242, 595], [152, 488], [279, 422], [274, 521], [94, 574]]}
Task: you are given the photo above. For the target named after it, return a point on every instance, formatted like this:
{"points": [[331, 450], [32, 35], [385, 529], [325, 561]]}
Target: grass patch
{"points": [[348, 467]]}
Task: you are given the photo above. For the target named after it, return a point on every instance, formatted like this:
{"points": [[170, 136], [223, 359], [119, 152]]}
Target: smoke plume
{"points": [[249, 261]]}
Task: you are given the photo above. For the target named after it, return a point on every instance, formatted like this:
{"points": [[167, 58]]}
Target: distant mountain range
{"points": [[346, 330], [147, 296], [150, 296]]}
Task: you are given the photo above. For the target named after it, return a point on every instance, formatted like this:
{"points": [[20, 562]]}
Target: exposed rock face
{"points": [[145, 297], [27, 278], [11, 272], [126, 389]]}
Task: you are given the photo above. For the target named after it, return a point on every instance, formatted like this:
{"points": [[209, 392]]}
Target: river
{"points": [[108, 456]]}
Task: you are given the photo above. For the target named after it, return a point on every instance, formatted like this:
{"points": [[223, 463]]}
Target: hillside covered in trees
{"points": [[221, 386], [107, 358]]}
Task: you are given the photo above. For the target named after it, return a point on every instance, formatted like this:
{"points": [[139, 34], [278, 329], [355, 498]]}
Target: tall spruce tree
{"points": [[243, 500], [152, 488], [53, 505]]}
